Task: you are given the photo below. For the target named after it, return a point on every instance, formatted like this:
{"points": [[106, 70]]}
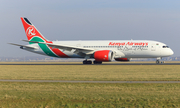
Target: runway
{"points": [[63, 81], [88, 64]]}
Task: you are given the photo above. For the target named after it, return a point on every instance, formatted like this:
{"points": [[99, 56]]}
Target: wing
{"points": [[74, 49], [22, 46]]}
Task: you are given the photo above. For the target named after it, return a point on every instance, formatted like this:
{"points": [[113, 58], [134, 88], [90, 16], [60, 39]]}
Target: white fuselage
{"points": [[122, 48]]}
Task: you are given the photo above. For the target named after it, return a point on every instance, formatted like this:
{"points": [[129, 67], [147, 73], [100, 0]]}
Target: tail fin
{"points": [[31, 32]]}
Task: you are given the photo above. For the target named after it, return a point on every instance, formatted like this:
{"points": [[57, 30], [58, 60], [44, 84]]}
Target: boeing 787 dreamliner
{"points": [[99, 50]]}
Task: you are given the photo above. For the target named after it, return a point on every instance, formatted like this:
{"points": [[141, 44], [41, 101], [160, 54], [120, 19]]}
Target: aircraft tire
{"points": [[87, 62], [84, 62], [97, 62], [157, 61]]}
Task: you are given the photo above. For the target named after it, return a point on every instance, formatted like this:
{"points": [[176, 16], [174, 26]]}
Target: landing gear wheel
{"points": [[157, 61], [87, 62], [97, 62], [84, 62]]}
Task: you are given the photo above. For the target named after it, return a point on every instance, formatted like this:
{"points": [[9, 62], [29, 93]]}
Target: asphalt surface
{"points": [[89, 64], [63, 81]]}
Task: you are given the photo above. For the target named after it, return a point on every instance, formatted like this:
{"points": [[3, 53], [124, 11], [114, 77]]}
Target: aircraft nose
{"points": [[171, 52]]}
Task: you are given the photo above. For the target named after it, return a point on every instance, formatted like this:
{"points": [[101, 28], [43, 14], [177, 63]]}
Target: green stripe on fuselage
{"points": [[44, 47]]}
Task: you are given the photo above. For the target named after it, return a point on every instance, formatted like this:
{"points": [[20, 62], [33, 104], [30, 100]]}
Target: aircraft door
{"points": [[153, 47]]}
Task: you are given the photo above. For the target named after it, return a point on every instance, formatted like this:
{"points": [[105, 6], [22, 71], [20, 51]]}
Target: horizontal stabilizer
{"points": [[23, 46]]}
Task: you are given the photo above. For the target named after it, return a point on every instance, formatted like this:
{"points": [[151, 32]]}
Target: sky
{"points": [[157, 20]]}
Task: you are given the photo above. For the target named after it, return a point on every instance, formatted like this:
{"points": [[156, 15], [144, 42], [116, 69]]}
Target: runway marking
{"points": [[63, 81]]}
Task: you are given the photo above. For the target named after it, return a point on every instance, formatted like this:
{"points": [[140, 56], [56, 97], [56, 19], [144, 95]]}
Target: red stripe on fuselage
{"points": [[59, 53]]}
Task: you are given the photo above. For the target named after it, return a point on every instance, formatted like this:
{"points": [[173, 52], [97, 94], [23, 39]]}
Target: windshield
{"points": [[165, 46]]}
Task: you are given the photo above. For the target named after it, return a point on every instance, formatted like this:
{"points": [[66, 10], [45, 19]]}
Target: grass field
{"points": [[53, 95], [92, 72], [85, 95]]}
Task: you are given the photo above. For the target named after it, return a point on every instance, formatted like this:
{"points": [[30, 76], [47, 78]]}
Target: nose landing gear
{"points": [[158, 60]]}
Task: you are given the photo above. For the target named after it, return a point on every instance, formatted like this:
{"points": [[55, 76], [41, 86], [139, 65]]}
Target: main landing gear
{"points": [[87, 62], [97, 62], [90, 62]]}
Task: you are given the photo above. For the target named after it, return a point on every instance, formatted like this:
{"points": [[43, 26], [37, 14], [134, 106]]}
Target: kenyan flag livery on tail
{"points": [[31, 32], [34, 35]]}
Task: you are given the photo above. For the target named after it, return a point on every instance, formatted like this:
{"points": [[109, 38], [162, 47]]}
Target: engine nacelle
{"points": [[122, 59], [103, 55]]}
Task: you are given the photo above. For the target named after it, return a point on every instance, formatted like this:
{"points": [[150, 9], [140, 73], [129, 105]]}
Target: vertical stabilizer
{"points": [[31, 32], [34, 35]]}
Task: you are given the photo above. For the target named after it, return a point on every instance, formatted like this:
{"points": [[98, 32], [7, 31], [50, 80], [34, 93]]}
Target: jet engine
{"points": [[122, 59], [103, 55]]}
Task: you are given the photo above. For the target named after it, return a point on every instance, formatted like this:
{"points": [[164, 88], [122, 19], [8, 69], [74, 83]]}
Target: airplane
{"points": [[99, 50]]}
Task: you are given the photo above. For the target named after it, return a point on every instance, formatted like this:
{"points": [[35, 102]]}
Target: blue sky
{"points": [[90, 20]]}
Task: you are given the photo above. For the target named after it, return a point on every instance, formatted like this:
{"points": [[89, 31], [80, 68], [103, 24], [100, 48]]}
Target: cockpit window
{"points": [[165, 46]]}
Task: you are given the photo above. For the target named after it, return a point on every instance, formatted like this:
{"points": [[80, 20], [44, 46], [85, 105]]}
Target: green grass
{"points": [[49, 95], [85, 95], [92, 72]]}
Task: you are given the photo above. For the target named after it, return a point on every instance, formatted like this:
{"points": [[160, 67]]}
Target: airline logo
{"points": [[30, 31], [128, 43]]}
